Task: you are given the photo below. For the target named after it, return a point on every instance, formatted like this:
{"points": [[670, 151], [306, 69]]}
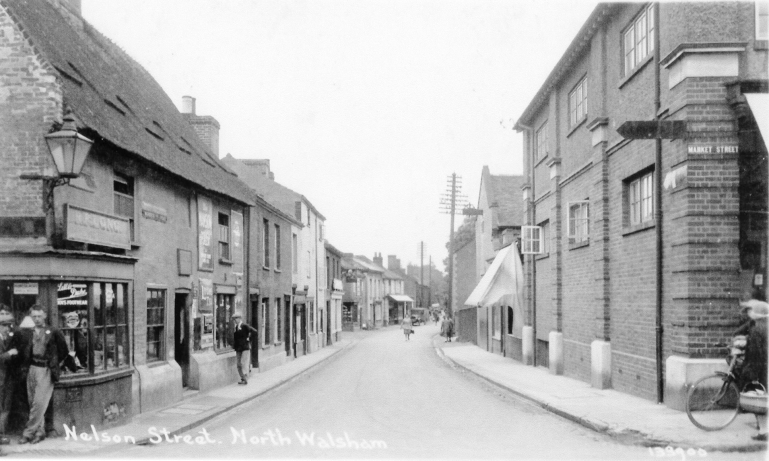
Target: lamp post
{"points": [[69, 150]]}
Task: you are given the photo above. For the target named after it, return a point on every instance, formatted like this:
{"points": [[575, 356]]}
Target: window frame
{"points": [[161, 349], [128, 195], [266, 243], [640, 199], [277, 246], [531, 240], [631, 42], [227, 335], [224, 236], [572, 222], [541, 140], [762, 19], [578, 103], [295, 253]]}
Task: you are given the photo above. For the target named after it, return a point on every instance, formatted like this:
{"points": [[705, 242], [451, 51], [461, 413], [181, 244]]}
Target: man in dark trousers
{"points": [[46, 352], [242, 342], [7, 378]]}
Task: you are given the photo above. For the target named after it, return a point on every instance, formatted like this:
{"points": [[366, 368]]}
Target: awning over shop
{"points": [[503, 279], [759, 105], [299, 299], [401, 298]]}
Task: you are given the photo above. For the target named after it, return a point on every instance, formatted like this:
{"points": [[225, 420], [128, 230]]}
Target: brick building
{"points": [[335, 289], [147, 317], [640, 249]]}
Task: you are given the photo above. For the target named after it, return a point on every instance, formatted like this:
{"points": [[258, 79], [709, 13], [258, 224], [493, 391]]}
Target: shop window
{"points": [[578, 227], [640, 199], [224, 236], [510, 320], [123, 187], [104, 303], [311, 309], [266, 322], [19, 297], [638, 40], [223, 315], [278, 321], [578, 103], [156, 321]]}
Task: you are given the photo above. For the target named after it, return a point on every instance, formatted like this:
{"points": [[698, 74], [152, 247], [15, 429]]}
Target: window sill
{"points": [[579, 123], [761, 45], [576, 245], [278, 271], [542, 256], [635, 70], [224, 351], [156, 363], [536, 164], [265, 268], [629, 230], [90, 380], [226, 262]]}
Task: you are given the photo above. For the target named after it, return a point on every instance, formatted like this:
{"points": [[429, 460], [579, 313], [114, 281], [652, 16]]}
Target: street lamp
{"points": [[69, 150]]}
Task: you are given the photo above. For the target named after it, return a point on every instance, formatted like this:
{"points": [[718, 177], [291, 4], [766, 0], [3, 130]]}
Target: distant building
{"points": [[335, 290]]}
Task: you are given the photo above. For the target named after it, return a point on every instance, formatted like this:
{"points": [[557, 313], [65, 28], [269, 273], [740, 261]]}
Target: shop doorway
{"points": [[329, 316], [182, 335], [287, 324], [255, 339]]}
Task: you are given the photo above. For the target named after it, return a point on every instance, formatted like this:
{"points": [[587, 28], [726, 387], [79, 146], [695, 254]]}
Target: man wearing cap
{"points": [[755, 360], [45, 353], [7, 381], [242, 342]]}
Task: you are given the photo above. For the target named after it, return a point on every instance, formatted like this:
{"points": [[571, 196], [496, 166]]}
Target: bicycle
{"points": [[713, 401]]}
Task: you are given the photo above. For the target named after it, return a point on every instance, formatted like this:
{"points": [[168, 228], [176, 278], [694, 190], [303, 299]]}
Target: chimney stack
{"points": [[378, 259], [205, 126], [393, 263]]}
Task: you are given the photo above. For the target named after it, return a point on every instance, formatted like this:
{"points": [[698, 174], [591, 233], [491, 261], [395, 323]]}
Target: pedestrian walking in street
{"points": [[7, 379], [47, 352], [754, 369], [406, 326], [447, 328], [242, 340]]}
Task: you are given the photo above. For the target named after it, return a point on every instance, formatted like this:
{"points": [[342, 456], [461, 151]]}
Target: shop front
{"points": [[87, 296]]}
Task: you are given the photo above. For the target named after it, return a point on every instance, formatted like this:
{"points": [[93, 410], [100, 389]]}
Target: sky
{"points": [[365, 107]]}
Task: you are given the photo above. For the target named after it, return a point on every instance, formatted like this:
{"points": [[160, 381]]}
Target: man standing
{"points": [[242, 342], [7, 380], [47, 350]]}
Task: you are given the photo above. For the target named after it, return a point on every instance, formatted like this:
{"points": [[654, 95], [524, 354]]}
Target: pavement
{"points": [[181, 417], [621, 416]]}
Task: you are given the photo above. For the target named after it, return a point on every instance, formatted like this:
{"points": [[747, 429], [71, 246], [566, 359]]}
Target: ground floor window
{"points": [[496, 322], [223, 315], [156, 320], [278, 319]]}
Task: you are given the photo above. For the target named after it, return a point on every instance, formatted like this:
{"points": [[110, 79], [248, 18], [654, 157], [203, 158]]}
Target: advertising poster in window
{"points": [[205, 234], [206, 302], [207, 338], [237, 242]]}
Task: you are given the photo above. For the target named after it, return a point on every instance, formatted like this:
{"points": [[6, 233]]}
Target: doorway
{"points": [[255, 339], [329, 316], [182, 335], [287, 324]]}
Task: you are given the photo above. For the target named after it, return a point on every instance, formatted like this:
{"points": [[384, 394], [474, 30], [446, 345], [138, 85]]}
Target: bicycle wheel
{"points": [[713, 402]]}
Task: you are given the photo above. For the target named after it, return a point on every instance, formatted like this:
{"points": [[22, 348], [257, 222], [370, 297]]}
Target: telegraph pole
{"points": [[449, 205]]}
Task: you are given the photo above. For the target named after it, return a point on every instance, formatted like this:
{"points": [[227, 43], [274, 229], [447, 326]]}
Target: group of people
{"points": [[446, 326], [754, 369], [31, 358]]}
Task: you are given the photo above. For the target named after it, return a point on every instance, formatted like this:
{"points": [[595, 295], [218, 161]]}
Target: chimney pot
{"points": [[188, 105]]}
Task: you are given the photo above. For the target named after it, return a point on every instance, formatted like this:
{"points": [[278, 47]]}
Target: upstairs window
{"points": [[640, 193], [532, 240], [123, 191], [224, 236], [294, 254], [277, 247], [541, 147], [266, 243], [762, 20], [638, 39], [579, 220], [578, 103]]}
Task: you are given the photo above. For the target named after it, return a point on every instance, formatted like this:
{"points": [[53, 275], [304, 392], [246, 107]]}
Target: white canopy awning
{"points": [[503, 279], [401, 298], [759, 105]]}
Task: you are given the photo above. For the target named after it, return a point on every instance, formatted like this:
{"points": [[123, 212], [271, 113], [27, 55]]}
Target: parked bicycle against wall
{"points": [[713, 401]]}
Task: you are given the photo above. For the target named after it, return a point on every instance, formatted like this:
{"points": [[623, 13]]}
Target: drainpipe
{"points": [[658, 209], [530, 153]]}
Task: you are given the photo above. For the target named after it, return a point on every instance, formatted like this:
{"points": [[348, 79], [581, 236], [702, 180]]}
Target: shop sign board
{"points": [[25, 288], [237, 242], [155, 213], [205, 234], [72, 294], [88, 226]]}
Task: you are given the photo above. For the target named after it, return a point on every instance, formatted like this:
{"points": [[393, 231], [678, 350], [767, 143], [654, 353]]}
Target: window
{"points": [[320, 232], [267, 309], [579, 229], [309, 263], [123, 191], [638, 40], [279, 320], [295, 253], [545, 226], [532, 240], [510, 320], [578, 103], [277, 247], [224, 236], [640, 193], [266, 243], [156, 322], [496, 321], [762, 20], [541, 147], [223, 315], [107, 303]]}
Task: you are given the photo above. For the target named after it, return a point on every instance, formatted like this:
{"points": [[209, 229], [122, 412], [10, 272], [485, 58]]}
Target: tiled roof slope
{"points": [[116, 98], [505, 190], [281, 196], [368, 264]]}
